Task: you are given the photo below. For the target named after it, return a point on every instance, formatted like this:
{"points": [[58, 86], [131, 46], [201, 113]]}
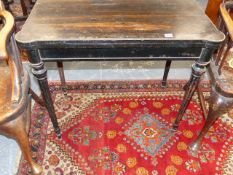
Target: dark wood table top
{"points": [[85, 22]]}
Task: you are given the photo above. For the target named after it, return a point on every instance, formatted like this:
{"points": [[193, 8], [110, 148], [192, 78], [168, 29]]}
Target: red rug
{"points": [[116, 128]]}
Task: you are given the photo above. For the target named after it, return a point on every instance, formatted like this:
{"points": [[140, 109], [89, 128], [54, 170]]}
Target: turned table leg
{"points": [[40, 72], [190, 89], [198, 69]]}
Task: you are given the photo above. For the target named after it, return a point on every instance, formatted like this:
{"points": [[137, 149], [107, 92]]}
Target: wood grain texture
{"points": [[76, 21]]}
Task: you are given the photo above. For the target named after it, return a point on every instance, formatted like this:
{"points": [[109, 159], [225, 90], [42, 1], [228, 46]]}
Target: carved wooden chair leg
{"points": [[166, 71], [16, 129], [219, 105], [15, 104]]}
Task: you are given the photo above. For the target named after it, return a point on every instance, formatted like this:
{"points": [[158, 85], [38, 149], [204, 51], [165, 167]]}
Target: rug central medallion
{"points": [[150, 134]]}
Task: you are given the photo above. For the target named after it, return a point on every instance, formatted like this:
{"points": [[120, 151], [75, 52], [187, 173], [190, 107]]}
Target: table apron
{"points": [[67, 54]]}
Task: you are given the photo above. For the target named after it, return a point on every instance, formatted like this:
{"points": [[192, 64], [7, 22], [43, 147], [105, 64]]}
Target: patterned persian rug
{"points": [[117, 128]]}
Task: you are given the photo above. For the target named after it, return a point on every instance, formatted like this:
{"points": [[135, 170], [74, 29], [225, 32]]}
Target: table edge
{"points": [[34, 44]]}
